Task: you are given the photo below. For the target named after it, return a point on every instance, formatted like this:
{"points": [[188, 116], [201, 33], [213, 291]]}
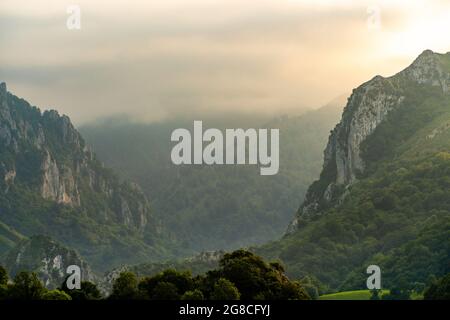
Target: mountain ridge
{"points": [[51, 183], [395, 212], [367, 107]]}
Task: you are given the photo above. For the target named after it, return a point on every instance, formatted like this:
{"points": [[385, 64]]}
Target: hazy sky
{"points": [[156, 58]]}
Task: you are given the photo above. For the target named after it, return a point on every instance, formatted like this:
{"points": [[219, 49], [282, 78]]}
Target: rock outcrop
{"points": [[61, 161], [51, 183], [367, 107], [48, 258]]}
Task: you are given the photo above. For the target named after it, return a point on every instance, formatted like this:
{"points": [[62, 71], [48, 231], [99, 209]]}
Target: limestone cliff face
{"points": [[46, 153], [367, 107], [48, 258], [57, 185]]}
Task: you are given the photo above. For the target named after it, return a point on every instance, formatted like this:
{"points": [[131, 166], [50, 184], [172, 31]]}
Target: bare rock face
{"points": [[367, 107], [58, 186], [58, 164], [429, 69], [48, 258], [51, 183]]}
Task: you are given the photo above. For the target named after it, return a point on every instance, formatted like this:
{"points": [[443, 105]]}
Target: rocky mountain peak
{"points": [[43, 157], [367, 107], [426, 54], [63, 155], [429, 68]]}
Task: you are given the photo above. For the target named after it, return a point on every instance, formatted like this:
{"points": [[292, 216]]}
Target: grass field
{"points": [[350, 295]]}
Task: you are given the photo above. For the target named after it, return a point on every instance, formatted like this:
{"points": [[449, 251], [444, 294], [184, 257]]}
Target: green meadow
{"points": [[350, 295]]}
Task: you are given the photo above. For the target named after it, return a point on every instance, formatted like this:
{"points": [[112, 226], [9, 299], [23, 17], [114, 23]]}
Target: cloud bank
{"points": [[157, 59]]}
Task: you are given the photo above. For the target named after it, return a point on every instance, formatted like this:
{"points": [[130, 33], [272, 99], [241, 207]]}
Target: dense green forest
{"points": [[240, 275], [393, 211], [218, 207]]}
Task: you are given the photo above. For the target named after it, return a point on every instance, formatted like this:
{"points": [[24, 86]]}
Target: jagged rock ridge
{"points": [[59, 172], [43, 156], [367, 107]]}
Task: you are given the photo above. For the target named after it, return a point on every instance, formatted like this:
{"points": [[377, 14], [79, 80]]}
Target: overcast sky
{"points": [[158, 58]]}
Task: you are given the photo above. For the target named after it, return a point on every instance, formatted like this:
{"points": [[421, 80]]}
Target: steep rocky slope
{"points": [[51, 183], [383, 196], [368, 106]]}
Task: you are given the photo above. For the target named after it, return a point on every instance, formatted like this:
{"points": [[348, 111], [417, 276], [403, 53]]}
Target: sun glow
{"points": [[424, 32]]}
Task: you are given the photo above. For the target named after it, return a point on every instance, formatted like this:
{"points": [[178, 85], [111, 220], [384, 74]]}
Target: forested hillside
{"points": [[218, 207]]}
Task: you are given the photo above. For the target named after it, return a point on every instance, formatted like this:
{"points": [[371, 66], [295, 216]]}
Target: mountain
{"points": [[48, 258], [367, 108], [51, 183], [218, 207], [383, 196]]}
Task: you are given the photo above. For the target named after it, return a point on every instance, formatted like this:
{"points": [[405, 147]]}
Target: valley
{"points": [[208, 207], [378, 195]]}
